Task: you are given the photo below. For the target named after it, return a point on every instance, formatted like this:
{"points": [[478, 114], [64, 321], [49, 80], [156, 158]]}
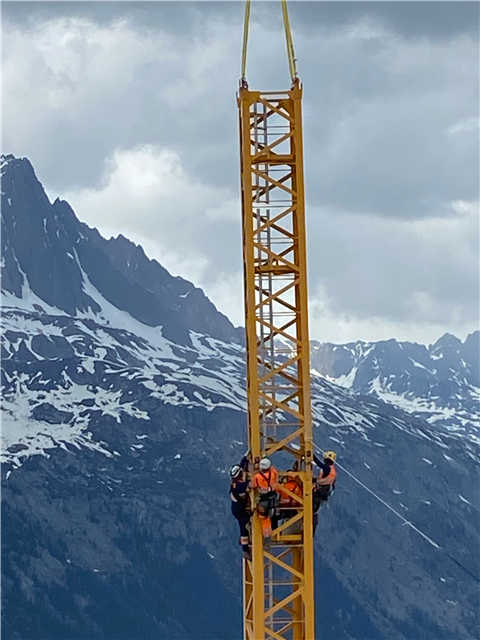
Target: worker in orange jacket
{"points": [[288, 505], [266, 483], [325, 483]]}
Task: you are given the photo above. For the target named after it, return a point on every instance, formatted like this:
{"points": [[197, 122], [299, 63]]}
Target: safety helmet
{"points": [[330, 454], [235, 470], [265, 464]]}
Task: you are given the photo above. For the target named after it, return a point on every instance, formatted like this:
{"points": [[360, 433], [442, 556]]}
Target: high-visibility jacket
{"points": [[292, 485], [327, 480], [265, 481]]}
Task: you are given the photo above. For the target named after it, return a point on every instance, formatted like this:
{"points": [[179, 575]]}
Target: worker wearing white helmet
{"points": [[265, 481], [241, 504]]}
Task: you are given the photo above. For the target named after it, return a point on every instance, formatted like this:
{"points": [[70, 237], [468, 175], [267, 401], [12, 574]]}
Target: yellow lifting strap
{"points": [[292, 62]]}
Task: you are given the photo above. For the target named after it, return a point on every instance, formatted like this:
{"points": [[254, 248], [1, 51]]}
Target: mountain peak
{"points": [[50, 254], [448, 339], [437, 381], [5, 160], [9, 161]]}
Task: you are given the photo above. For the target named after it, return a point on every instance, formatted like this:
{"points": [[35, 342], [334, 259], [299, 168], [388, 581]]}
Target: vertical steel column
{"points": [[278, 582]]}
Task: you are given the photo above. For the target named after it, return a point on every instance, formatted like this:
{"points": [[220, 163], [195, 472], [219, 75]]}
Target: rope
{"points": [[288, 36], [461, 566], [405, 521], [245, 39], [292, 62]]}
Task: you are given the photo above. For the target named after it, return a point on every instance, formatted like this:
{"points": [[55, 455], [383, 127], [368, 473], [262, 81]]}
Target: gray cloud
{"points": [[128, 111], [377, 107], [400, 271], [435, 20], [378, 122]]}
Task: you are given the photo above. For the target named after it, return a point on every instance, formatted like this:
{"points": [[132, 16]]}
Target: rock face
{"points": [[61, 258], [116, 436], [440, 383]]}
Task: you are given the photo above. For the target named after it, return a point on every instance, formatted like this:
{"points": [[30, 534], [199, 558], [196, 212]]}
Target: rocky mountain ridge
{"points": [[46, 245], [130, 420], [439, 383]]}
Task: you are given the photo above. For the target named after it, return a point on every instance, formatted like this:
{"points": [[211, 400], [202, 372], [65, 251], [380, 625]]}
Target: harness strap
{"points": [[267, 479]]}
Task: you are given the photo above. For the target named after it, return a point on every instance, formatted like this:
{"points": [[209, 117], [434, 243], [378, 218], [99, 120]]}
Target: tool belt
{"points": [[268, 501]]}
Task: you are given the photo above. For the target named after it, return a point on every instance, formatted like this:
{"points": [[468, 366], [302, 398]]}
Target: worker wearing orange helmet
{"points": [[265, 481], [290, 483], [288, 504]]}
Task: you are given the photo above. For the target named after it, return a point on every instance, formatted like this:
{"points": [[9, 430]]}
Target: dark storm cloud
{"points": [[381, 136], [436, 20], [378, 108]]}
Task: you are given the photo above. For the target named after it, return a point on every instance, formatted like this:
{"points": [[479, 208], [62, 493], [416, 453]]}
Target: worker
{"points": [[325, 484], [288, 505], [240, 505], [266, 483]]}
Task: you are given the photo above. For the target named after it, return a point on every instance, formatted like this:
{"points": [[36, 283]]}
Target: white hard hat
{"points": [[265, 463], [235, 470]]}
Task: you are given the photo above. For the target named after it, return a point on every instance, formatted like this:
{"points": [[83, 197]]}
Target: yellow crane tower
{"points": [[278, 586]]}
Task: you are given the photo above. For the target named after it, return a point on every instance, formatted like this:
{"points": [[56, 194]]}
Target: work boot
{"points": [[247, 554], [267, 541]]}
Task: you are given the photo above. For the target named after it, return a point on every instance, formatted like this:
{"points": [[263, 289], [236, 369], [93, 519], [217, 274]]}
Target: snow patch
{"points": [[346, 380]]}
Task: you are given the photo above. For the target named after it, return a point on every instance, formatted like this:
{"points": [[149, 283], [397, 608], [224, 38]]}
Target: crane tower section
{"points": [[278, 581]]}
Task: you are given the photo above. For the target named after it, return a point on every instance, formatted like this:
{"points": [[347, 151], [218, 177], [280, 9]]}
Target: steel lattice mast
{"points": [[278, 582]]}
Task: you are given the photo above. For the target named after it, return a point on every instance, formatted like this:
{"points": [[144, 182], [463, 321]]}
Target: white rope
{"points": [[405, 521]]}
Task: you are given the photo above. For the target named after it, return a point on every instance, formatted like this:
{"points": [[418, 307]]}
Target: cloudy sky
{"points": [[127, 110]]}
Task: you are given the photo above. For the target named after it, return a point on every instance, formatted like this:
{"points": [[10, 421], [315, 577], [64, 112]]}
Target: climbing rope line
{"points": [[288, 36], [246, 24], [405, 521], [292, 62]]}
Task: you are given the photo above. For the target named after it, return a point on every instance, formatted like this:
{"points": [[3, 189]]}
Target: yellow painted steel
{"points": [[278, 581]]}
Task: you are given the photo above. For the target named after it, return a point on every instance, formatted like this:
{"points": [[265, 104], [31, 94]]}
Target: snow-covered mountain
{"points": [[52, 259], [119, 422], [439, 383]]}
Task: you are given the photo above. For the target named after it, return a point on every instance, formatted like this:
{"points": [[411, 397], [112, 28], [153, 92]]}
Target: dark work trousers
{"points": [[243, 520], [320, 496]]}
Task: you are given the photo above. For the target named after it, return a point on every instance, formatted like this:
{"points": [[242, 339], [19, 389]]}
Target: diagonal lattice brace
{"points": [[285, 441], [282, 564], [277, 370], [276, 297], [275, 257], [261, 157], [277, 218], [295, 594], [276, 183], [276, 109]]}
